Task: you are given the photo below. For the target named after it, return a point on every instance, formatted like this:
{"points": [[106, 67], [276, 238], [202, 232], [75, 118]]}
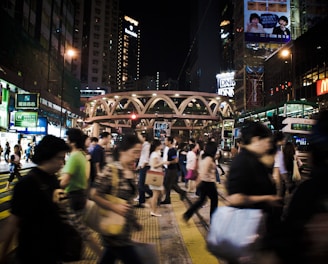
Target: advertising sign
{"points": [[26, 119], [267, 21], [27, 101], [40, 129], [226, 84], [162, 129], [322, 87], [4, 108]]}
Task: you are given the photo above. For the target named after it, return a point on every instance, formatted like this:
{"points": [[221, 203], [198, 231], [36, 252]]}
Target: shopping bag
{"points": [[147, 252], [234, 233], [105, 222], [191, 175], [155, 178]]}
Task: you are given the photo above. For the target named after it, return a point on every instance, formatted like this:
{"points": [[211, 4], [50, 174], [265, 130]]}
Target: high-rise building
{"points": [[252, 45], [96, 36], [128, 54], [36, 39], [204, 59]]}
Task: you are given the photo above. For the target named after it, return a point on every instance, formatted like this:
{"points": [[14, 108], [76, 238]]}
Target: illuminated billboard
{"points": [[267, 21], [226, 84]]}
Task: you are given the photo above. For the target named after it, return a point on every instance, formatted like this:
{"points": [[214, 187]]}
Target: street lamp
{"points": [[70, 53], [286, 53]]}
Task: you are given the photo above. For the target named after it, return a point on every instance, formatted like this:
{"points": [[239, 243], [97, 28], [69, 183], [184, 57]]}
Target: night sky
{"points": [[165, 35]]}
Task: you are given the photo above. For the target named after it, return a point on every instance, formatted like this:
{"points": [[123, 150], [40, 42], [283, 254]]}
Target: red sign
{"points": [[322, 86]]}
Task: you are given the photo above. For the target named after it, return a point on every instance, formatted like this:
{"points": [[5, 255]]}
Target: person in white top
{"points": [[192, 163], [207, 184], [156, 164], [143, 167]]}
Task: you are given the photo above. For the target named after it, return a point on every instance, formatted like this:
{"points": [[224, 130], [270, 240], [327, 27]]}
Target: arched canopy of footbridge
{"points": [[184, 109]]}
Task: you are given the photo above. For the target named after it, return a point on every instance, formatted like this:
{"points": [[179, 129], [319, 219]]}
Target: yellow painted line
{"points": [[193, 239], [4, 214], [5, 199]]}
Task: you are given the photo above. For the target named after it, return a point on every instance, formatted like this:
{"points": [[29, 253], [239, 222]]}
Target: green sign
{"points": [[27, 101], [4, 109], [26, 119]]}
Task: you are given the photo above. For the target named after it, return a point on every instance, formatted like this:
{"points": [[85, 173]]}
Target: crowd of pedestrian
{"points": [[260, 176]]}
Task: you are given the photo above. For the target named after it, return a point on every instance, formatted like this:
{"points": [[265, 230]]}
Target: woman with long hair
{"points": [[156, 164], [207, 184]]}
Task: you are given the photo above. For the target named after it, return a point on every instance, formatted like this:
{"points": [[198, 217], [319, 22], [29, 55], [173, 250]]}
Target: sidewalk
{"points": [[4, 166]]}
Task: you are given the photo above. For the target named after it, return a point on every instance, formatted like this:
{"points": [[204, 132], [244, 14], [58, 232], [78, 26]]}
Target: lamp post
{"points": [[70, 53], [286, 53]]}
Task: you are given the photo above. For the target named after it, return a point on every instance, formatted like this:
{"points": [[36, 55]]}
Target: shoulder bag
{"points": [[234, 233], [106, 222], [155, 178]]}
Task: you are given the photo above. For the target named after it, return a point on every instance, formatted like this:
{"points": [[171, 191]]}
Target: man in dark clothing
{"points": [[97, 152], [171, 173]]}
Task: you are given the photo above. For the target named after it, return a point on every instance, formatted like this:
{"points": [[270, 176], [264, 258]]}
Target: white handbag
{"points": [[234, 232]]}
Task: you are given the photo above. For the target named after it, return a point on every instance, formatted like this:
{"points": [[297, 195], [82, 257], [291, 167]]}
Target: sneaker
{"points": [[136, 199], [154, 214]]}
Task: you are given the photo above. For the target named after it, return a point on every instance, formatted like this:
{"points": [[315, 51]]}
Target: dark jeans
{"points": [[205, 189], [127, 254], [142, 187], [170, 182]]}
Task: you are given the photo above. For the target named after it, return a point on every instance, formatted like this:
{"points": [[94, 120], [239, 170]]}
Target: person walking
{"points": [[75, 182], [156, 164], [34, 216], [171, 173], [14, 167], [207, 184], [249, 184], [7, 152], [143, 167], [97, 152], [192, 164], [120, 246]]}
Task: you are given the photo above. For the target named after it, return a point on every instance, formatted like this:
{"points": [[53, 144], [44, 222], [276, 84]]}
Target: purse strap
{"points": [[115, 179]]}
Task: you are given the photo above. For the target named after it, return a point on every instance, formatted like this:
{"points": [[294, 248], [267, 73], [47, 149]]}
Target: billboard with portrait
{"points": [[267, 21]]}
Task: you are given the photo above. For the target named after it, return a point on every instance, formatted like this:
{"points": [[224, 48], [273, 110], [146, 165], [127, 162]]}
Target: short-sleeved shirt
{"points": [[76, 167], [98, 155], [171, 155], [249, 176], [39, 230]]}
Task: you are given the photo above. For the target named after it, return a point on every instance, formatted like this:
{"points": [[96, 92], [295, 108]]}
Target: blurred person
{"points": [[182, 154], [74, 180], [28, 152], [143, 167], [303, 235], [218, 160], [289, 156], [14, 167], [171, 173], [280, 173], [98, 157], [7, 152], [120, 247], [207, 178], [156, 164], [34, 216], [192, 164], [254, 25], [249, 184]]}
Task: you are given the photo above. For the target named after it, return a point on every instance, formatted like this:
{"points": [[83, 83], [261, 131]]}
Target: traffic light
{"points": [[134, 121]]}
